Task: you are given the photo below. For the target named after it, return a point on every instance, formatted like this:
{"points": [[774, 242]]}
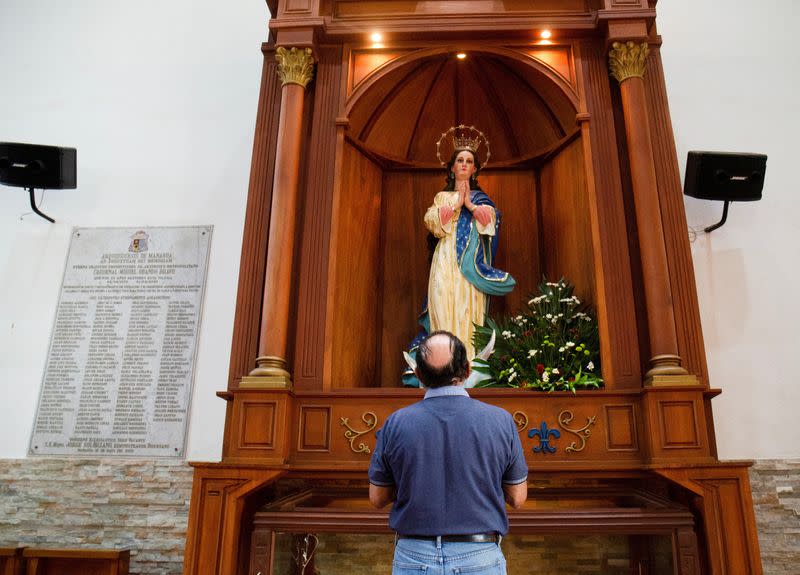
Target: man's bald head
{"points": [[442, 360]]}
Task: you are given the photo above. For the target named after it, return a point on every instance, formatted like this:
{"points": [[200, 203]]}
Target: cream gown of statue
{"points": [[454, 304]]}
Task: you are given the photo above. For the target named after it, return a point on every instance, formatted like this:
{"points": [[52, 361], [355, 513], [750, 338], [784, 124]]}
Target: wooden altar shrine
{"points": [[334, 268]]}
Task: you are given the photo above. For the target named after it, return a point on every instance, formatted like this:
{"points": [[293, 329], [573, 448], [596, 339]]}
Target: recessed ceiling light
{"points": [[545, 34], [461, 55], [376, 37]]}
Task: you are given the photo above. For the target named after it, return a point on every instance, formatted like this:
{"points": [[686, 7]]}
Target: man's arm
{"points": [[380, 495], [515, 494]]}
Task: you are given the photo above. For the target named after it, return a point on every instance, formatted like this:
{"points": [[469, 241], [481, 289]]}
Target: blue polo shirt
{"points": [[448, 456]]}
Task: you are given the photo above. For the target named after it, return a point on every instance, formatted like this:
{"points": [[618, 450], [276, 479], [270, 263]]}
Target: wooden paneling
{"points": [[514, 194], [262, 423], [612, 261], [365, 62], [378, 8], [313, 264], [297, 7], [220, 495], [566, 230], [725, 504], [11, 561], [356, 289], [625, 4], [406, 264], [673, 215], [559, 58], [684, 544], [261, 546], [678, 420], [213, 508], [621, 428], [244, 348], [76, 561], [257, 424], [335, 432], [676, 425], [315, 428]]}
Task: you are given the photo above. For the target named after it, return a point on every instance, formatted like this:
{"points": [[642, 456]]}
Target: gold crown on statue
{"points": [[464, 138]]}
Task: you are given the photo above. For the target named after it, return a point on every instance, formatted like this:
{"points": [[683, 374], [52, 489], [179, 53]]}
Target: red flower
{"points": [[539, 368]]}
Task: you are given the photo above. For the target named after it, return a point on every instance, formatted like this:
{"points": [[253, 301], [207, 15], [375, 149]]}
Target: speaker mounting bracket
{"points": [[45, 216], [720, 223]]}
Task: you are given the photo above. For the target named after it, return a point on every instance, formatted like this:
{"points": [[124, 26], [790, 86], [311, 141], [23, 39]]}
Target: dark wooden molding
{"points": [[244, 346], [619, 345], [673, 214], [316, 229]]}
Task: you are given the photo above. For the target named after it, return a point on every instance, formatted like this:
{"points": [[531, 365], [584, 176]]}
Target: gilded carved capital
{"points": [[295, 66], [628, 60]]}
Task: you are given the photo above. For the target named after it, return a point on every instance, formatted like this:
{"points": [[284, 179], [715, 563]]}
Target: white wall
{"points": [[159, 97], [732, 78]]}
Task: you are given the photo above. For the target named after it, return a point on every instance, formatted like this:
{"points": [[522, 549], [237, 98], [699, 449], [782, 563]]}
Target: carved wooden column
{"points": [[295, 70], [627, 63]]}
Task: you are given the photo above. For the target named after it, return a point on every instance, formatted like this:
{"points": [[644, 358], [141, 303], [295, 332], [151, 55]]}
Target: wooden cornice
{"points": [[445, 25], [648, 14]]}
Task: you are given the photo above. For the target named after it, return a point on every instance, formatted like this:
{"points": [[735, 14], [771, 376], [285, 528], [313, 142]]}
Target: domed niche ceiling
{"points": [[522, 112]]}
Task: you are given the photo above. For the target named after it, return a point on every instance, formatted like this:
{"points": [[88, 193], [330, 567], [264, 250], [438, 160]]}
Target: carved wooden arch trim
{"points": [[409, 58]]}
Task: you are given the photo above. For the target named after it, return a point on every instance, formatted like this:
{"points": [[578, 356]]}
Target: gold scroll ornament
{"points": [[564, 419], [520, 419], [351, 434]]}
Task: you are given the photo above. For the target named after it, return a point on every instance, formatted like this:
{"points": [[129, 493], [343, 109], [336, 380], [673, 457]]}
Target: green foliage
{"points": [[551, 346]]}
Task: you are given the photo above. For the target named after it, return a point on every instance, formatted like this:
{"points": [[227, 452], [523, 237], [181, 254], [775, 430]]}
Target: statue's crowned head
{"points": [[464, 138]]}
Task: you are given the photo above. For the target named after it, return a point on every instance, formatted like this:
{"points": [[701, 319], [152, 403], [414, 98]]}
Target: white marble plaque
{"points": [[119, 373]]}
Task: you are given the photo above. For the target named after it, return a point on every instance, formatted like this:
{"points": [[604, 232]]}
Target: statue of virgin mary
{"points": [[466, 225]]}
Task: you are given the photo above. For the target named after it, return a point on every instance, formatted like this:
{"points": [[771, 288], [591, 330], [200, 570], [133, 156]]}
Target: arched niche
{"points": [[389, 175]]}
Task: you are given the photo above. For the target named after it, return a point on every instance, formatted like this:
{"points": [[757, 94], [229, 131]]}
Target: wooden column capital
{"points": [[628, 60], [295, 66]]}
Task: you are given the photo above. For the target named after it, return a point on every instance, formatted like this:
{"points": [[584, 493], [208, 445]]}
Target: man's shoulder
{"points": [[489, 409], [404, 413]]}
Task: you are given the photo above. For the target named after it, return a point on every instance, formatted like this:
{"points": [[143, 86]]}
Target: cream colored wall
{"points": [[160, 100], [732, 79]]}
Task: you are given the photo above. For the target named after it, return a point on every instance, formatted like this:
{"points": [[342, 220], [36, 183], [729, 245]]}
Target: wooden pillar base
{"points": [[270, 373], [667, 371]]}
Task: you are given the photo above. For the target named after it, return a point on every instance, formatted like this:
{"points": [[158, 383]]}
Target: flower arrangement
{"points": [[552, 346]]}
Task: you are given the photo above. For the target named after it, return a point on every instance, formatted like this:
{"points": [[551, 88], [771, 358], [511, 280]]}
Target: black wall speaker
{"points": [[725, 176], [41, 167]]}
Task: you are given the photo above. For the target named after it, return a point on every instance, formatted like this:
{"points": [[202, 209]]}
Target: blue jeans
{"points": [[419, 557]]}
